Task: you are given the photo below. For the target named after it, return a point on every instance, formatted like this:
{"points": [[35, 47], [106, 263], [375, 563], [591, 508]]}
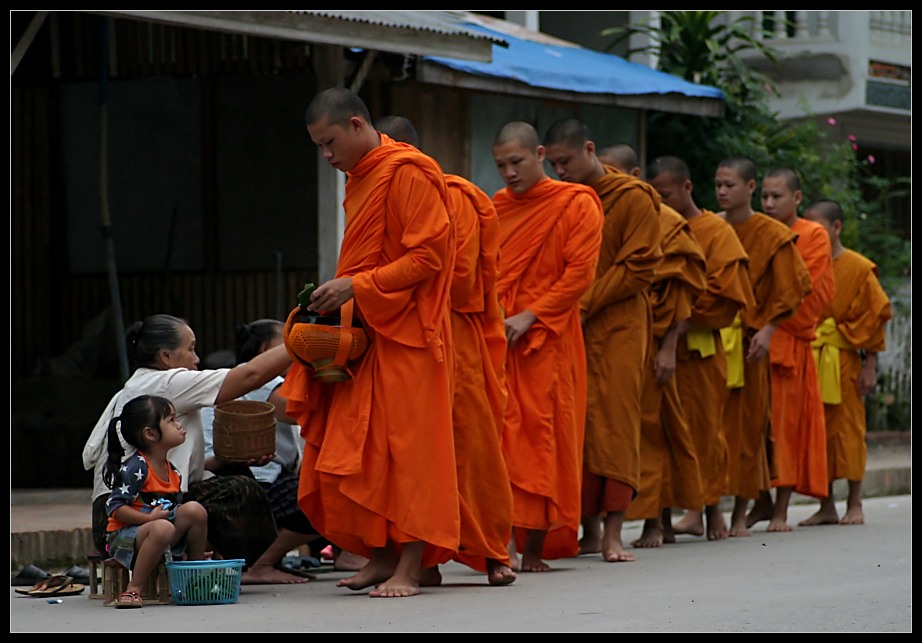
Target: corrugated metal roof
{"points": [[440, 22], [422, 33]]}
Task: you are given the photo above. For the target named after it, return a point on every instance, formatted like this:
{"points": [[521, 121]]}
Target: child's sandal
{"points": [[129, 600]]}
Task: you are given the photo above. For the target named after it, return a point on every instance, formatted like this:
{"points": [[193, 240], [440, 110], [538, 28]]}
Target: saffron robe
{"points": [[668, 463], [701, 375], [618, 327], [780, 281], [798, 424], [860, 310], [549, 248], [379, 461], [480, 381]]}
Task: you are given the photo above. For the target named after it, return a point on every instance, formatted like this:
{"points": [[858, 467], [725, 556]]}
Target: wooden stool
{"points": [[114, 580]]}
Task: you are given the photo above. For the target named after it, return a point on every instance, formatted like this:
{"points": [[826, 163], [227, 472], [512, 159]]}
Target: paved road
{"points": [[817, 579]]}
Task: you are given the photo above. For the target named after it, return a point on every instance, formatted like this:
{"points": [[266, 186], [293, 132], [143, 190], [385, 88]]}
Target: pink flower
{"points": [[852, 138], [854, 147], [831, 121], [871, 159]]}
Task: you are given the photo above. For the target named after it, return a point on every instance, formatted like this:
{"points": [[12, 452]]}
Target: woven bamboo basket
{"points": [[243, 430]]}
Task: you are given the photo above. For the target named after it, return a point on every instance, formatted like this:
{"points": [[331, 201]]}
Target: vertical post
{"points": [[106, 220]]}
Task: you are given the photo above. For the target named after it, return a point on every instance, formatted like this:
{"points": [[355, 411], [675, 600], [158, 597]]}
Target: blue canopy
{"points": [[573, 69]]}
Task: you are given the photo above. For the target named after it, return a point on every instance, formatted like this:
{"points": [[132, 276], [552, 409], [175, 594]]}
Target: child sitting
{"points": [[146, 512]]}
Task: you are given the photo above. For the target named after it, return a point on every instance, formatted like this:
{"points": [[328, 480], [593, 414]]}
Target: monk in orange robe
{"points": [[854, 324], [798, 435], [550, 232], [617, 314], [669, 470], [780, 282], [479, 377], [379, 475], [701, 371]]}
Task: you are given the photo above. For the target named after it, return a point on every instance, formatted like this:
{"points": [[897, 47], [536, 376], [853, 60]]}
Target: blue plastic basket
{"points": [[205, 582]]}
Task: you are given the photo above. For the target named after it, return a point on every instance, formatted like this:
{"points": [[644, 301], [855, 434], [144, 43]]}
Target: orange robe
{"points": [[668, 463], [780, 281], [480, 380], [860, 310], [798, 431], [549, 249], [701, 376], [618, 331], [379, 462]]}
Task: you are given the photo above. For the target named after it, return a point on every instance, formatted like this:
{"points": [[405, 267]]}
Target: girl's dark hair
{"points": [[139, 413], [253, 335], [147, 338]]}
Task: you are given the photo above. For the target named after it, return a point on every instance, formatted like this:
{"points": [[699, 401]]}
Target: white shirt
{"points": [[189, 391]]}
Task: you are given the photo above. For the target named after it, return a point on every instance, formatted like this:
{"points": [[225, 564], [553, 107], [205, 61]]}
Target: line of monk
{"points": [[570, 354]]}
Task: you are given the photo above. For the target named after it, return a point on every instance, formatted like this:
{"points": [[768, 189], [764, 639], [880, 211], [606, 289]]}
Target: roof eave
{"points": [[673, 103], [310, 28]]}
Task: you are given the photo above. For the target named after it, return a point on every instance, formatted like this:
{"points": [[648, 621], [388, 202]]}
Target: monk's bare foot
{"points": [[778, 525], [853, 516], [823, 516], [717, 524], [345, 561], [651, 536], [531, 563], [260, 574], [395, 587], [499, 573], [613, 552], [430, 577], [514, 563], [692, 524], [738, 529], [762, 509], [618, 556], [373, 573]]}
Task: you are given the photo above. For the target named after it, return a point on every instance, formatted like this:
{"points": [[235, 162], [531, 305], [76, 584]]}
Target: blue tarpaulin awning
{"points": [[574, 69]]}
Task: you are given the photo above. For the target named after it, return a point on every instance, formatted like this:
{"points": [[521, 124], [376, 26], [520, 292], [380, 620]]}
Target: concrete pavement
{"points": [[51, 527], [832, 578]]}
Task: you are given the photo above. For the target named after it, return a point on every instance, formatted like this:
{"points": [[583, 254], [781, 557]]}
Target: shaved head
{"points": [[399, 129], [620, 155], [520, 132], [337, 105], [567, 131]]}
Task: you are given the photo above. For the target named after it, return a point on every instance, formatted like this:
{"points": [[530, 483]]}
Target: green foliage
{"points": [[701, 46]]}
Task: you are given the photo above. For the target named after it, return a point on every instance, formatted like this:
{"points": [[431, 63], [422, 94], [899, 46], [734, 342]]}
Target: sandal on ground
{"points": [[48, 587], [128, 600]]}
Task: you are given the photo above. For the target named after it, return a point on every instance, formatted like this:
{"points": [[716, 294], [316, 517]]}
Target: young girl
{"points": [[146, 512]]}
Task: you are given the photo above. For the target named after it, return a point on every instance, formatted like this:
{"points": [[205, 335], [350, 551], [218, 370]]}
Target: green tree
{"points": [[704, 47]]}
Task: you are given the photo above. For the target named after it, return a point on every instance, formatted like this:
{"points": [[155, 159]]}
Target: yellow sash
{"points": [[829, 341], [701, 339], [732, 339]]}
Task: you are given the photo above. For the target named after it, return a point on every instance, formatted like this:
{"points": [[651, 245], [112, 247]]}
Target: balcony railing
{"points": [[888, 28]]}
